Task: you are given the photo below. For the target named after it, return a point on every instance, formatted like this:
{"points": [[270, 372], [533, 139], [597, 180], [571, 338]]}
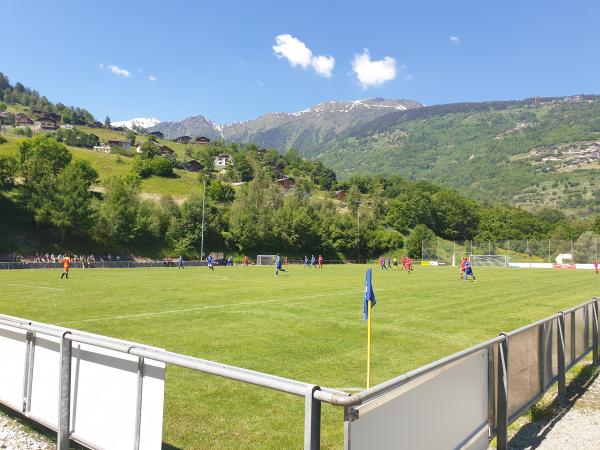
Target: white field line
{"points": [[33, 286], [199, 308]]}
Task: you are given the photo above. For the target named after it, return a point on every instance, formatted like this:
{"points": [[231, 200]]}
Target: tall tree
{"points": [[107, 122]]}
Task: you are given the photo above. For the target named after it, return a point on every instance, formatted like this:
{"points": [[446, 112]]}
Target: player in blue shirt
{"points": [[306, 261], [209, 262], [312, 262], [469, 270], [278, 266], [180, 262]]}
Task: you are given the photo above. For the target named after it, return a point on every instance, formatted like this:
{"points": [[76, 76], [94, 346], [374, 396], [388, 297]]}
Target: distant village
{"points": [[49, 122], [566, 157]]}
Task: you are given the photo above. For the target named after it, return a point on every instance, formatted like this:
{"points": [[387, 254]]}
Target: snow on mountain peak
{"points": [[143, 122]]}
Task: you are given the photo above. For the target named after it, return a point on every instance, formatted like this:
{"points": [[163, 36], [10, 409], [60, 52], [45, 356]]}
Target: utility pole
{"points": [[358, 231], [202, 238]]}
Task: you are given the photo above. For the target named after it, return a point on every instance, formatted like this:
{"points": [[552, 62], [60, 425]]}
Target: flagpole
{"points": [[369, 345]]}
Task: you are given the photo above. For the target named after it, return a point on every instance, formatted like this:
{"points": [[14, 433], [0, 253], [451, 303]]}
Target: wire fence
{"points": [[580, 251]]}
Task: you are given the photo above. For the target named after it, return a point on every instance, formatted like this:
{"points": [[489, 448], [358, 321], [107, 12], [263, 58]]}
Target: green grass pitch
{"points": [[306, 325]]}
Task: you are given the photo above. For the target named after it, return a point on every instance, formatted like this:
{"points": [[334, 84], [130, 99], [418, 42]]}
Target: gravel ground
{"points": [[575, 425], [15, 436]]}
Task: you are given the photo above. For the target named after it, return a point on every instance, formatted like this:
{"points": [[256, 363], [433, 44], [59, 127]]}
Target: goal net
{"points": [[490, 260], [265, 260]]}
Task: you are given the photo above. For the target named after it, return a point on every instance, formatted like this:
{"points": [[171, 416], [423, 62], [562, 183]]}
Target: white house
{"points": [[102, 148], [222, 161]]}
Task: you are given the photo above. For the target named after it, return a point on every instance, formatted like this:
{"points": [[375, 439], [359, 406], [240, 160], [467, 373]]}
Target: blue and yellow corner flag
{"points": [[369, 295]]}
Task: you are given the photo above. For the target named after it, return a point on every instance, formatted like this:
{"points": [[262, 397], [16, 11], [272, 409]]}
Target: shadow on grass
{"points": [[543, 418]]}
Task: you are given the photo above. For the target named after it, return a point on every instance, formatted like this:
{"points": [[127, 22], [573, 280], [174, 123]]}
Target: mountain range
{"points": [[141, 122], [304, 130]]}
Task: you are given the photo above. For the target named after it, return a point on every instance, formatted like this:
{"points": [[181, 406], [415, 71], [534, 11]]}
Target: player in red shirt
{"points": [[320, 261], [596, 266], [463, 263], [381, 262], [245, 261]]}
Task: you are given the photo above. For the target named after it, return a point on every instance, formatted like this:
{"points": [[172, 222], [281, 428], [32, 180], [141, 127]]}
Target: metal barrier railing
{"points": [[544, 351]]}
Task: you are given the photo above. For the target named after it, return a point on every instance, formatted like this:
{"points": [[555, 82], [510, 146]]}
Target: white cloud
{"points": [[115, 69], [323, 65], [373, 73], [152, 77], [298, 54], [455, 40], [118, 71]]}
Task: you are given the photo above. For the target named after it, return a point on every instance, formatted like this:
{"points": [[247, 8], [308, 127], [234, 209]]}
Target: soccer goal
{"points": [[490, 260], [265, 260]]}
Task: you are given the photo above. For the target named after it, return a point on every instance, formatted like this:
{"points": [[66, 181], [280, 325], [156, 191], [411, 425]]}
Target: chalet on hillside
{"points": [[118, 128], [166, 151], [96, 124], [286, 183], [222, 161], [67, 126], [183, 139], [157, 134], [41, 114], [23, 120], [7, 118], [201, 140], [45, 124], [194, 166], [341, 195], [125, 145]]}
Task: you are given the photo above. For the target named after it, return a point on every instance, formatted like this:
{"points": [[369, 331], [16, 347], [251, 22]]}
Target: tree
{"points": [[41, 160], [8, 168], [456, 217], [409, 210], [586, 247], [2, 106], [107, 122], [71, 209], [119, 222], [419, 236]]}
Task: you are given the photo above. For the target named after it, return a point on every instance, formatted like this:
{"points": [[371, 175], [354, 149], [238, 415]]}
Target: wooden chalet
{"points": [[183, 139], [7, 118], [157, 134], [23, 120], [286, 183], [166, 151], [201, 140], [194, 166], [45, 124], [125, 145]]}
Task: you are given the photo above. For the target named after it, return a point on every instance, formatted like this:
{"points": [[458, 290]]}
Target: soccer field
{"points": [[306, 325]]}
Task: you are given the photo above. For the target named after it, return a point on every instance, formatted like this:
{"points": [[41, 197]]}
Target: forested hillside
{"points": [[535, 153]]}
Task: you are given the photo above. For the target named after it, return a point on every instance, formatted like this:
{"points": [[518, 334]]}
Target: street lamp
{"points": [[203, 198]]}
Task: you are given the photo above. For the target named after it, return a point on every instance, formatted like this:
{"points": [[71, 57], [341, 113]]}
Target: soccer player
{"points": [[209, 262], [306, 261], [381, 263], [395, 262], [320, 261], [463, 262], [245, 261], [180, 262], [409, 263], [389, 262], [312, 261], [278, 267], [285, 261], [66, 261], [469, 270], [596, 265]]}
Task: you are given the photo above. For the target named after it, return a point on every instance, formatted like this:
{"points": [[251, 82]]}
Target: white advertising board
{"points": [[13, 349], [104, 391], [444, 409]]}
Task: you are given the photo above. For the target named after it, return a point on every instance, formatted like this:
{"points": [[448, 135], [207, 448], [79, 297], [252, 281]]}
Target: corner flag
{"points": [[369, 295]]}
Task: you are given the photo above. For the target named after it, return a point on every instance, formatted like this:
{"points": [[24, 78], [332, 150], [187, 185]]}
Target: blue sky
{"points": [[218, 58]]}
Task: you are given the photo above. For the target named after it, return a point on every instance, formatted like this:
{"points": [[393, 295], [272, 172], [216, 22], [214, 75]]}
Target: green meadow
{"points": [[305, 325]]}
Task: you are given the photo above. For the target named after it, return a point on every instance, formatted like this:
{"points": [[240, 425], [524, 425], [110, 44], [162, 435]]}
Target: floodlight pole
{"points": [[358, 231], [202, 238]]}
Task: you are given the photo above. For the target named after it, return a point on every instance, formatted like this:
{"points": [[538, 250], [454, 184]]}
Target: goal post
{"points": [[490, 260], [265, 260]]}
